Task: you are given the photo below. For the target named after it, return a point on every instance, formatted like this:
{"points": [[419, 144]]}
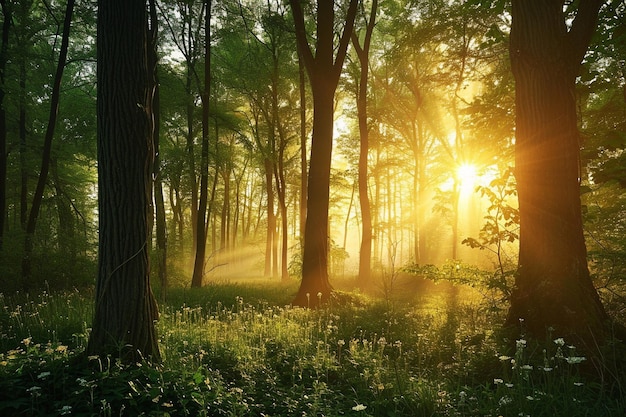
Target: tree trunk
{"points": [[6, 27], [47, 149], [365, 252], [303, 140], [159, 203], [201, 221], [125, 309], [553, 286], [323, 69]]}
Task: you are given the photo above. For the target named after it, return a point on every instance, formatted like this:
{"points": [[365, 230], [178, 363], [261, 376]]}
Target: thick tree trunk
{"points": [[125, 310], [315, 261], [323, 69], [553, 286]]}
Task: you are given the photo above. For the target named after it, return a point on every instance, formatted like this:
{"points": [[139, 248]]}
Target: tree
{"points": [[324, 69], [125, 308], [6, 29], [553, 286], [47, 147], [202, 218], [365, 253]]}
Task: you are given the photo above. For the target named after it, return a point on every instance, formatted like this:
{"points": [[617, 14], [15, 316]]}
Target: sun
{"points": [[467, 175]]}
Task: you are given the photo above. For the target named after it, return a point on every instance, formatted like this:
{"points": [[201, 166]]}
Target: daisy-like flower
{"points": [[359, 407]]}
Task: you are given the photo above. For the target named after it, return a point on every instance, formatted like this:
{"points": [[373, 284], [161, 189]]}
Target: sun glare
{"points": [[467, 176]]}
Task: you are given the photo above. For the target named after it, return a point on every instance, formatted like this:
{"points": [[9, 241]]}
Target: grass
{"points": [[238, 349]]}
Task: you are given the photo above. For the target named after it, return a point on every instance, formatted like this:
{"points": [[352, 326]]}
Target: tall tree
{"points": [[155, 110], [201, 230], [553, 286], [6, 28], [125, 308], [365, 253], [323, 68], [47, 147]]}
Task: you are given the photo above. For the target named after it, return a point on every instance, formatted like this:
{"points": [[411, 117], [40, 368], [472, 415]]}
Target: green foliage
{"points": [[253, 356]]}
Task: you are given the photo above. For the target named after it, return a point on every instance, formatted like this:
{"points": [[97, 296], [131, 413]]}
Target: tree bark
{"points": [[553, 287], [125, 309], [323, 70]]}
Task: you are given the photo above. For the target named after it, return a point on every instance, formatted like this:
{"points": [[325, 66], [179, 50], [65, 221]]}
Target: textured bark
{"points": [[323, 69], [125, 309], [553, 287]]}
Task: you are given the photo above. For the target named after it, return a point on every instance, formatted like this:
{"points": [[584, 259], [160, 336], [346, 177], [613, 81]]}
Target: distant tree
{"points": [[553, 287], [323, 68], [125, 308]]}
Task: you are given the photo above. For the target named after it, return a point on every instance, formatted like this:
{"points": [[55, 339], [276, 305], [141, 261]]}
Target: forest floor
{"points": [[239, 349]]}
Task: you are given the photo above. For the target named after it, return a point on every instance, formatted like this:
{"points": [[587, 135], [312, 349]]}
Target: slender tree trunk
{"points": [[125, 309], [303, 140], [553, 286], [6, 28], [159, 203], [47, 148], [23, 149], [365, 252], [201, 224]]}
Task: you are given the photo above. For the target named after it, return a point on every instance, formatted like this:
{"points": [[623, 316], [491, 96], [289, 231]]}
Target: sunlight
{"points": [[467, 176]]}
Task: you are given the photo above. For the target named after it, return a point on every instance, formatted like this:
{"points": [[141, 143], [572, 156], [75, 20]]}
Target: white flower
{"points": [[559, 341], [575, 359], [66, 409], [359, 407], [497, 381]]}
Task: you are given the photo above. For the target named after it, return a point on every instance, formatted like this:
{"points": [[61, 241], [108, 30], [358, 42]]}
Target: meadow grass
{"points": [[239, 349]]}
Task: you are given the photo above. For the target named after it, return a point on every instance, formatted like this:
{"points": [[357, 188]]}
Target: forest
{"points": [[313, 208]]}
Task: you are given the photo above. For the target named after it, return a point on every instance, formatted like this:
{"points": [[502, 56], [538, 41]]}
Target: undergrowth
{"points": [[251, 354]]}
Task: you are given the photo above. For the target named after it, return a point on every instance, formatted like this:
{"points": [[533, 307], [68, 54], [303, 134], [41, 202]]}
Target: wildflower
{"points": [[559, 341], [61, 349], [497, 381], [66, 409], [341, 342], [505, 400], [520, 344], [575, 359], [504, 358], [43, 375], [578, 384], [27, 341], [527, 367], [359, 407], [509, 385]]}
